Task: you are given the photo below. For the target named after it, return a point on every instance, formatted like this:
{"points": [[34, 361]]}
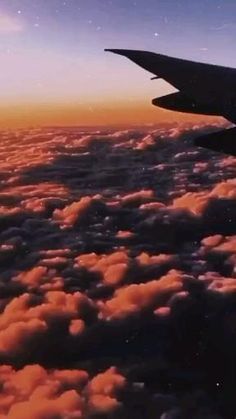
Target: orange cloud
{"points": [[71, 214], [22, 321], [112, 267], [34, 393], [134, 298]]}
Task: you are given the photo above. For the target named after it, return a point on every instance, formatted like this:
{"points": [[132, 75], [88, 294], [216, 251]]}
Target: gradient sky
{"points": [[53, 64]]}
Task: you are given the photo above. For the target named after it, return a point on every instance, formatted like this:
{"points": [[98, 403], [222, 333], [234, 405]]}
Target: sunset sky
{"points": [[54, 69]]}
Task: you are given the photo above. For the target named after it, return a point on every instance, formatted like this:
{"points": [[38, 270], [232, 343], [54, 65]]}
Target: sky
{"points": [[54, 69]]}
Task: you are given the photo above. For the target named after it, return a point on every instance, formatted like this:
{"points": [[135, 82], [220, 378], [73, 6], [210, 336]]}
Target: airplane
{"points": [[205, 89]]}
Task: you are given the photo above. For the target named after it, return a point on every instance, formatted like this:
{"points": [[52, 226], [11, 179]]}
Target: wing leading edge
{"points": [[183, 74]]}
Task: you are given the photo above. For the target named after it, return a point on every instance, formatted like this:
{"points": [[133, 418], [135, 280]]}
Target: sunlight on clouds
{"points": [[9, 24]]}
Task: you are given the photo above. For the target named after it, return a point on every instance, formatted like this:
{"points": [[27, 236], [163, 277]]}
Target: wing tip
{"points": [[117, 51]]}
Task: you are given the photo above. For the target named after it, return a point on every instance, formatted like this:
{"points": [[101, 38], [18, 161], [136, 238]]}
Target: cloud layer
{"points": [[118, 264]]}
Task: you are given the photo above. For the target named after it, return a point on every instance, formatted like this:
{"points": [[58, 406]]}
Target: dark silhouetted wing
{"points": [[222, 141], [183, 74]]}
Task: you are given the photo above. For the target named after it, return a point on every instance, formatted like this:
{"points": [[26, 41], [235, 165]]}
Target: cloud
{"points": [[134, 298], [111, 267], [9, 24], [116, 248], [35, 393], [77, 211], [22, 322]]}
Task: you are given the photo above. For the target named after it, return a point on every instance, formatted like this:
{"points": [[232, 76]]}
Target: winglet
{"points": [[116, 51], [125, 52], [145, 59], [141, 58]]}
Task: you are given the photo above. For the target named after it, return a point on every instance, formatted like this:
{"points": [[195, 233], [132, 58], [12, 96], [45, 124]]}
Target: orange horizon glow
{"points": [[90, 114]]}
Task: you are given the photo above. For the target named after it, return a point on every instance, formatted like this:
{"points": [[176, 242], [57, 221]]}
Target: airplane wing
{"points": [[222, 141], [214, 87], [185, 75]]}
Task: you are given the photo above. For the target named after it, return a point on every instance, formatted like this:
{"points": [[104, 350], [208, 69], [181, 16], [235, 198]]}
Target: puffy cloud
{"points": [[145, 259], [102, 390], [23, 321], [34, 276], [113, 268], [122, 234], [225, 189], [76, 327], [223, 285], [54, 253], [212, 241], [219, 247], [66, 405], [35, 393], [195, 202], [146, 142], [40, 277], [228, 245], [134, 298], [75, 212], [137, 198], [152, 206], [118, 266], [17, 335]]}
